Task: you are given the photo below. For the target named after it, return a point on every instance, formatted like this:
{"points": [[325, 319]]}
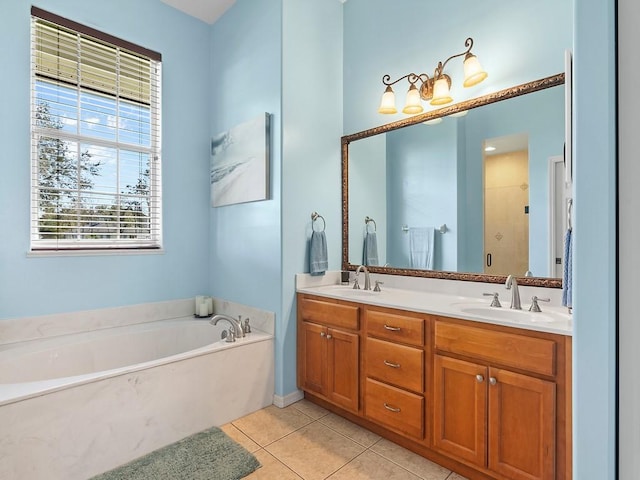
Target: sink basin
{"points": [[512, 315]]}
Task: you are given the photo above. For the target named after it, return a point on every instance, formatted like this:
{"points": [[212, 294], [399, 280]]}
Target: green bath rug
{"points": [[208, 455]]}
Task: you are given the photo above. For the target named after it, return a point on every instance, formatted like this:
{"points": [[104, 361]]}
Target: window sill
{"points": [[95, 253]]}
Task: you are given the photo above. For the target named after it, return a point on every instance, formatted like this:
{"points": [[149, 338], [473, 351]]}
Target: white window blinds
{"points": [[95, 123]]}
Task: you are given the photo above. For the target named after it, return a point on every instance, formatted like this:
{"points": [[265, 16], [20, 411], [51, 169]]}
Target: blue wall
{"points": [[544, 124], [514, 45], [311, 175], [594, 256], [269, 56], [421, 190], [35, 286]]}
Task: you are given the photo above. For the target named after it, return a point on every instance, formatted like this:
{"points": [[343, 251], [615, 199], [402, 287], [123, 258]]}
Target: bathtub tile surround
{"points": [[260, 319], [32, 328], [77, 427]]}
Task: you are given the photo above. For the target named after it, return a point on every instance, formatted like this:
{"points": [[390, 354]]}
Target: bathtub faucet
{"points": [[235, 324]]}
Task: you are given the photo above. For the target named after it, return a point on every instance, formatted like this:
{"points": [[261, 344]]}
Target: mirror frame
{"points": [[505, 94]]}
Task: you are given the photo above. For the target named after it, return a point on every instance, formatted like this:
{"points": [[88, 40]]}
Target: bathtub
{"points": [[73, 406]]}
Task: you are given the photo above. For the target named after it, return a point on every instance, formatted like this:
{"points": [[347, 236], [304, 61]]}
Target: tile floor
{"points": [[305, 441]]}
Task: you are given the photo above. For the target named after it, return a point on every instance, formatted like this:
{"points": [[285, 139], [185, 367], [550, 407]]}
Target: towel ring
{"points": [[368, 219], [569, 213], [314, 217]]}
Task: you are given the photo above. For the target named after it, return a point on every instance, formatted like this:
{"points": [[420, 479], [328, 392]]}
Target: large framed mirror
{"points": [[473, 191]]}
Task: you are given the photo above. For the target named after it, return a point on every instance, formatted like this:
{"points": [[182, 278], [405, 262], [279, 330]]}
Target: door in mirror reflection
{"points": [[506, 205]]}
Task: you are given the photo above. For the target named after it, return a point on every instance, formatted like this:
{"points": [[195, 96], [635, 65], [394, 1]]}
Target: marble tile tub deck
{"points": [[305, 441]]}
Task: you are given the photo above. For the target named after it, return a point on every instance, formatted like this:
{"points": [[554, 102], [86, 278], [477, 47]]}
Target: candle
{"points": [[209, 301], [203, 311], [199, 300]]}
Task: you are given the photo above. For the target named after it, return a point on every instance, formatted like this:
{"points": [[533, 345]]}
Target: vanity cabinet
{"points": [[328, 351], [488, 401], [394, 367], [495, 400]]}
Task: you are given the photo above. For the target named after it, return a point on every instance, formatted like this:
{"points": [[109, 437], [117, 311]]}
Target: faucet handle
{"points": [[534, 303], [231, 336], [246, 328], [496, 301], [356, 285], [376, 287]]}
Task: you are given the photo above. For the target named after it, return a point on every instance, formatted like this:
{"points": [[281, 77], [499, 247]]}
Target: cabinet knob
{"points": [[391, 409], [329, 336], [392, 365], [479, 378], [393, 329], [322, 334], [492, 380]]}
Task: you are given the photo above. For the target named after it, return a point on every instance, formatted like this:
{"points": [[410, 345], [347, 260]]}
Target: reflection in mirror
{"points": [[484, 175]]}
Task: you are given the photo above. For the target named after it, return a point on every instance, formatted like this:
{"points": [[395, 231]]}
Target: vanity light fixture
{"points": [[434, 88]]}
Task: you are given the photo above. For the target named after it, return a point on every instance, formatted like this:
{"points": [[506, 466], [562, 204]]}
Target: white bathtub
{"points": [[76, 405]]}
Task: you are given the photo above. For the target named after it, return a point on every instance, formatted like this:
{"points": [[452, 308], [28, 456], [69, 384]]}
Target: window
{"points": [[95, 139]]}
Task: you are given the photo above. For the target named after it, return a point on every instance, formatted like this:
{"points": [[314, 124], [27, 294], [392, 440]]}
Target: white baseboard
{"points": [[293, 397]]}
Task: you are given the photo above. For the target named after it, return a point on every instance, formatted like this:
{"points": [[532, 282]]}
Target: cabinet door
{"points": [[313, 358], [460, 409], [343, 368], [521, 426]]}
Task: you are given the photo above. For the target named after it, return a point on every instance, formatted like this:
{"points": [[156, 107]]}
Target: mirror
{"points": [[441, 203]]}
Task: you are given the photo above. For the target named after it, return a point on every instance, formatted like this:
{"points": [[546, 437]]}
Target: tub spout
{"points": [[235, 324]]}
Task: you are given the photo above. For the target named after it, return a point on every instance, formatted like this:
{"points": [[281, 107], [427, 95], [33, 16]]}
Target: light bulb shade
{"points": [[441, 94], [413, 103], [473, 73], [388, 103]]}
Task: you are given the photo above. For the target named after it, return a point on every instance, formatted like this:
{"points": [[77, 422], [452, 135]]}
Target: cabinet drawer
{"points": [[397, 364], [402, 411], [396, 327], [327, 313], [520, 351]]}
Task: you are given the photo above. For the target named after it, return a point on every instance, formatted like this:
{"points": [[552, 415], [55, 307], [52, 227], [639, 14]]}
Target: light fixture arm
{"points": [[440, 68], [412, 78]]}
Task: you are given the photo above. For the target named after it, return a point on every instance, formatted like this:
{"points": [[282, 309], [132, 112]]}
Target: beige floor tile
{"points": [[456, 476], [315, 451], [271, 468], [422, 467], [311, 409], [269, 424], [371, 466], [351, 430], [240, 437]]}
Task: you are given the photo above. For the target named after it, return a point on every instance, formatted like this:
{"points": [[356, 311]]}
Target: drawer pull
{"points": [[392, 365], [322, 334], [329, 336], [479, 378], [391, 409], [393, 329], [492, 380]]}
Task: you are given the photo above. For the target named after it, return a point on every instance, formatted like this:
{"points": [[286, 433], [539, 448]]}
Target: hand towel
{"points": [[318, 259], [567, 276], [421, 241], [370, 249]]}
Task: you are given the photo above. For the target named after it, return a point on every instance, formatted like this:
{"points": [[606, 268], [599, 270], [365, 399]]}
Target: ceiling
{"points": [[206, 10]]}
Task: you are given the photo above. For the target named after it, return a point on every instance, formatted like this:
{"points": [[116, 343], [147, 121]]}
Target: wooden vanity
{"points": [[487, 401]]}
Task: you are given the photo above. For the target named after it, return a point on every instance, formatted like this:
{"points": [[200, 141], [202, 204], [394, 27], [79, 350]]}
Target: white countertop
{"points": [[552, 319]]}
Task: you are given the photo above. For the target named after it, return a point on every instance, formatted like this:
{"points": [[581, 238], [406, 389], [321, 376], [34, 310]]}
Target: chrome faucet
{"points": [[235, 324], [367, 279], [512, 284]]}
